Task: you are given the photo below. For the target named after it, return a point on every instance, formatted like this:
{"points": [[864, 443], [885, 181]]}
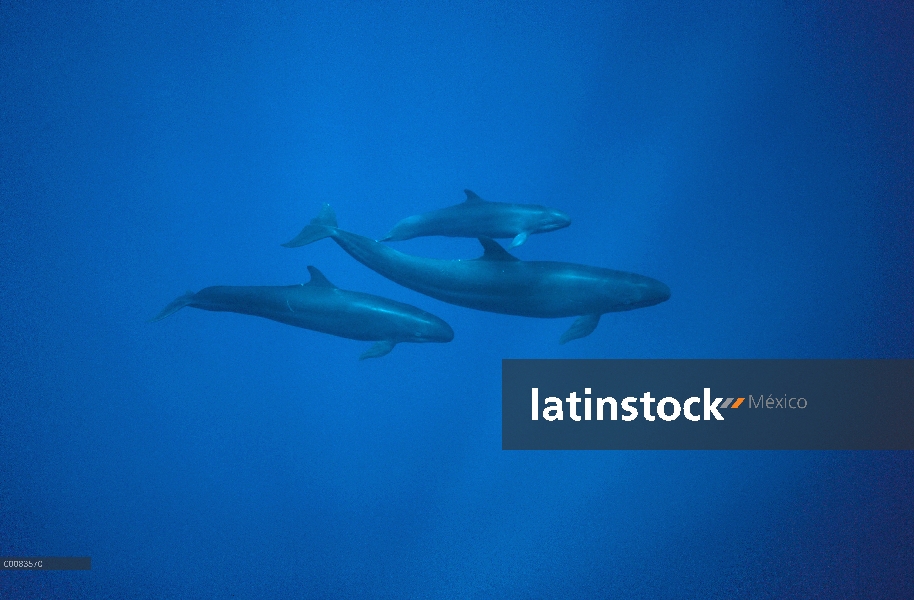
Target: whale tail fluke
{"points": [[323, 225], [176, 305]]}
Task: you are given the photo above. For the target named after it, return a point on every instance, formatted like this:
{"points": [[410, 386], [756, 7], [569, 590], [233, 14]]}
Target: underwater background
{"points": [[754, 156]]}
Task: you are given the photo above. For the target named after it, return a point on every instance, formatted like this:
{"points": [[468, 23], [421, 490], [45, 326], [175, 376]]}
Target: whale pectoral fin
{"points": [[519, 239], [380, 349], [582, 327]]}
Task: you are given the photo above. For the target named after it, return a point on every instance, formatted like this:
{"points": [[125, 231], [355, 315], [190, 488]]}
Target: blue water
{"points": [[756, 157]]}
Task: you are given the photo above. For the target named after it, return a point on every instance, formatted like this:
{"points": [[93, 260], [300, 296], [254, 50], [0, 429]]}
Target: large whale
{"points": [[321, 306], [479, 218], [499, 282]]}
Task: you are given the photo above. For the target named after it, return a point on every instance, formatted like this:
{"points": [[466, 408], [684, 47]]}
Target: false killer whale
{"points": [[321, 306], [499, 282], [479, 218]]}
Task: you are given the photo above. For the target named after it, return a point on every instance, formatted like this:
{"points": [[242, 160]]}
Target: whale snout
{"points": [[562, 219], [641, 292], [655, 293], [443, 333], [555, 219], [434, 329]]}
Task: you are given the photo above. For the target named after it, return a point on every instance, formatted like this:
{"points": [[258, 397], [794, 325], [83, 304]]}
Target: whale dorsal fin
{"points": [[494, 251], [472, 198], [318, 279]]}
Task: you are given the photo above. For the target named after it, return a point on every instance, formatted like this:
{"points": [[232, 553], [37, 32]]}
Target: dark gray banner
{"points": [[46, 563], [708, 404]]}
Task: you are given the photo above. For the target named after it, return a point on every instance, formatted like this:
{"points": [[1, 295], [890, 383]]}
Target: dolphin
{"points": [[321, 306], [499, 282], [479, 218]]}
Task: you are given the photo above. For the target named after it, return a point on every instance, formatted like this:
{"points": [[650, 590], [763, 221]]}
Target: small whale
{"points": [[321, 306], [479, 218], [499, 282]]}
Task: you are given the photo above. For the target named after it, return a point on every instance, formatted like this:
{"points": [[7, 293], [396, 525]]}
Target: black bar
{"points": [[46, 563], [846, 404]]}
